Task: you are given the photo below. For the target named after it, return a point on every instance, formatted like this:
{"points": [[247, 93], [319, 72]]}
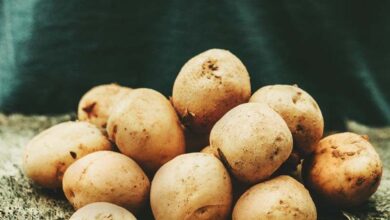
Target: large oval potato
{"points": [[102, 211], [47, 155], [344, 170], [106, 176], [191, 186], [208, 86], [280, 198], [252, 140], [96, 105], [300, 111], [146, 128]]}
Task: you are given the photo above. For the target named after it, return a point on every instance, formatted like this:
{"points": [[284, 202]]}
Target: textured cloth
{"points": [[19, 199], [51, 52]]}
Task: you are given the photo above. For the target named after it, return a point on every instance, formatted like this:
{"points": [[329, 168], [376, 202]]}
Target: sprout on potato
{"points": [[344, 170], [208, 86], [47, 155]]}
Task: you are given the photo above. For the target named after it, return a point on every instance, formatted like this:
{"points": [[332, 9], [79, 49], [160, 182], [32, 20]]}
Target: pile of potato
{"points": [[131, 147]]}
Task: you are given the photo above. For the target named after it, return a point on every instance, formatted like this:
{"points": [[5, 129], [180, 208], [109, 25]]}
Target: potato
{"points": [[48, 154], [210, 150], [95, 106], [208, 86], [344, 170], [146, 128], [191, 186], [252, 140], [106, 176], [280, 198], [298, 109], [102, 211]]}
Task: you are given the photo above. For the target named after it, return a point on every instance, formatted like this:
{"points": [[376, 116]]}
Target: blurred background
{"points": [[51, 52]]}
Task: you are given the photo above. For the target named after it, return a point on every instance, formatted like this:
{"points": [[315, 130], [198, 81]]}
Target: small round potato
{"points": [[252, 140], [208, 86], [344, 170], [146, 128], [102, 211], [106, 176], [48, 154], [298, 109], [95, 106], [210, 150], [280, 198], [191, 186]]}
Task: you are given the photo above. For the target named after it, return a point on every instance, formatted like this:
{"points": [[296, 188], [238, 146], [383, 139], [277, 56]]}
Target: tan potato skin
{"points": [[210, 150], [191, 186], [106, 176], [102, 211], [252, 140], [96, 105], [146, 128], [344, 170], [48, 154], [209, 85], [280, 198], [300, 111]]}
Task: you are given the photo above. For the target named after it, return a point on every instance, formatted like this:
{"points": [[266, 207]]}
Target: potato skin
{"points": [[300, 111], [344, 170], [208, 86], [106, 176], [210, 150], [280, 198], [146, 128], [95, 106], [48, 154], [191, 186], [102, 211], [252, 140]]}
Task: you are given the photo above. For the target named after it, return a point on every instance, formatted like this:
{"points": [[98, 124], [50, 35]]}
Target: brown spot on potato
{"points": [[89, 110], [299, 128], [61, 167], [360, 181], [73, 154], [210, 64], [365, 137], [296, 97], [71, 193]]}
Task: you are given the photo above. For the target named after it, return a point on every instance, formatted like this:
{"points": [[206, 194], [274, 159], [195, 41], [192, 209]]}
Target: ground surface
{"points": [[19, 199]]}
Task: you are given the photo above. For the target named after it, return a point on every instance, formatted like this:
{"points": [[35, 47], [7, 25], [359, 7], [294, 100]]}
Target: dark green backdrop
{"points": [[51, 52]]}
